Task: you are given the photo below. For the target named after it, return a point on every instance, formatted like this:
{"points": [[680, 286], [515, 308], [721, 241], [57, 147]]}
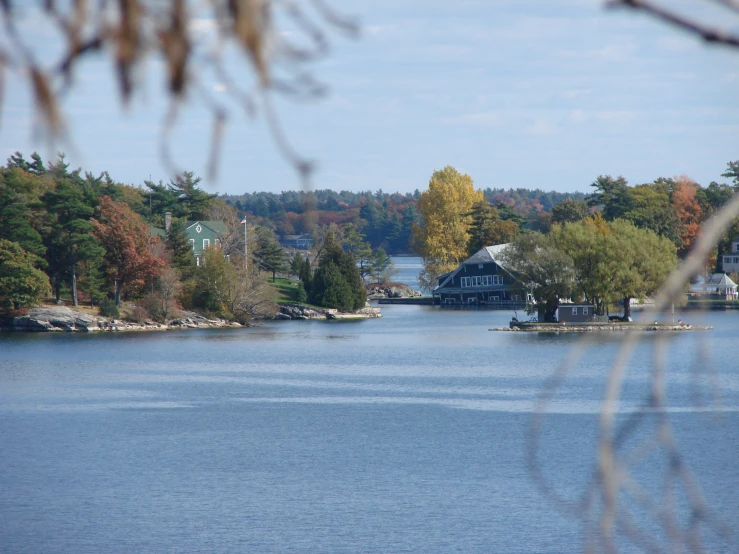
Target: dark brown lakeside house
{"points": [[480, 280]]}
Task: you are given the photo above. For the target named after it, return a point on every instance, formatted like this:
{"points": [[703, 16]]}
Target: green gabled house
{"points": [[201, 234]]}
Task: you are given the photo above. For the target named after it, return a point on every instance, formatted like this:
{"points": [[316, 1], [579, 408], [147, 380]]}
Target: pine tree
{"points": [[306, 275], [269, 254], [180, 249]]}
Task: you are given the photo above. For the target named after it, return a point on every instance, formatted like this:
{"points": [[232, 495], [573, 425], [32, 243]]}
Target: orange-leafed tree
{"points": [[688, 211], [129, 260]]}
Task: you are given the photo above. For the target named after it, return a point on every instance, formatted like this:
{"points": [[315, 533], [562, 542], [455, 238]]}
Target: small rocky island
{"points": [[536, 327]]}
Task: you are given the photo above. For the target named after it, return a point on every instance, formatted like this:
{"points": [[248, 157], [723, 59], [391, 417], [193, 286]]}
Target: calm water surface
{"points": [[404, 434]]}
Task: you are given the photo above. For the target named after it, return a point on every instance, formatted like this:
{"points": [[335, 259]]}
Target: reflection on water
{"points": [[402, 433]]}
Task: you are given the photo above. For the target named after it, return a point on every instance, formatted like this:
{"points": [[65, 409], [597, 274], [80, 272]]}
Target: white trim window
{"points": [[206, 243], [584, 311], [574, 311], [497, 280], [192, 243]]}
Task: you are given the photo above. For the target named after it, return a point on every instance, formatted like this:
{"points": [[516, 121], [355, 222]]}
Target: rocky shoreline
{"points": [[298, 312], [61, 318]]}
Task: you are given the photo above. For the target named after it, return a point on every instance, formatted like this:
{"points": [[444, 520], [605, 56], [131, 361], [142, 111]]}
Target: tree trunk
{"points": [[627, 308], [274, 276], [58, 290], [118, 286], [74, 286]]}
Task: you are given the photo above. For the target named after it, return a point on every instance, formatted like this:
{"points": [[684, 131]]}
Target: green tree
{"points": [[644, 262], [570, 210], [359, 248], [612, 196], [306, 274], [69, 238], [227, 290], [182, 196], [542, 270], [382, 265], [336, 282], [487, 228], [651, 209], [180, 250], [18, 202], [269, 254], [21, 284]]}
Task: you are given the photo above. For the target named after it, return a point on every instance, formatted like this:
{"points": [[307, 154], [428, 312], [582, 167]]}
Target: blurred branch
{"points": [[192, 38], [709, 34]]}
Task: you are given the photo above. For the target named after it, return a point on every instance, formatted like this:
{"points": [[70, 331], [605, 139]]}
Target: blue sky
{"points": [[517, 93]]}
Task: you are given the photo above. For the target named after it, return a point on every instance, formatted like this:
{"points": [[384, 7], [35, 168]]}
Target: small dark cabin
{"points": [[575, 313]]}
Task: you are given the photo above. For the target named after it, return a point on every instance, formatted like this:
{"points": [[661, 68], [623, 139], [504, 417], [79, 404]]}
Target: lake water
{"points": [[402, 434]]}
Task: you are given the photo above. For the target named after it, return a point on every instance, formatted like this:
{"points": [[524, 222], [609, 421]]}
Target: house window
{"points": [[197, 261], [495, 298], [486, 280], [471, 300], [198, 228], [584, 311], [574, 311], [479, 265], [465, 281], [192, 243], [206, 243], [497, 280]]}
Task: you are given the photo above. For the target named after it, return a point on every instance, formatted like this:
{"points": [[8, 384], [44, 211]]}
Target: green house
{"points": [[201, 234], [204, 234]]}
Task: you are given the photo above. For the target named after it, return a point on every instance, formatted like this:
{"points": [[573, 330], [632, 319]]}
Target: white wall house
{"points": [[730, 262]]}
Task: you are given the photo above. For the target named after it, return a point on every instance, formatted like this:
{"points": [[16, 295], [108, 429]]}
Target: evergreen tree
{"points": [[69, 238], [180, 249], [336, 282], [306, 274], [16, 203], [381, 264], [21, 284], [269, 254]]}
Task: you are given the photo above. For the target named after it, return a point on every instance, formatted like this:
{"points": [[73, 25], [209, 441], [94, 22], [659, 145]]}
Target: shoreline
{"points": [[593, 327]]}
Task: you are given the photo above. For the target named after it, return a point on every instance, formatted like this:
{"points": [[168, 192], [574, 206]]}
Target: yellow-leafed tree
{"points": [[442, 236]]}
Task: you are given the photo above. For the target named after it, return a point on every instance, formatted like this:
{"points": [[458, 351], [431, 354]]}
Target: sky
{"points": [[542, 94]]}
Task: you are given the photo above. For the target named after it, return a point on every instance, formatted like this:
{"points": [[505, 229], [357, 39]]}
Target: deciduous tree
{"points": [[125, 236], [442, 237]]}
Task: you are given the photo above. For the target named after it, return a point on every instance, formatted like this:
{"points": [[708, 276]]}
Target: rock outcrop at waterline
{"points": [[60, 318], [391, 290], [299, 312]]}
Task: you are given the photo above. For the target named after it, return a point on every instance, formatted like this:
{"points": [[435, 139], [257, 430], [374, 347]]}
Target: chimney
{"points": [[167, 221]]}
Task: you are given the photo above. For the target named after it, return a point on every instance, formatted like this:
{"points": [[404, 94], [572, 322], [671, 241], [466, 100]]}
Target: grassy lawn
{"points": [[286, 292]]}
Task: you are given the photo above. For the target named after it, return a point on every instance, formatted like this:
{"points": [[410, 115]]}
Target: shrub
{"points": [[109, 309], [139, 314], [302, 296]]}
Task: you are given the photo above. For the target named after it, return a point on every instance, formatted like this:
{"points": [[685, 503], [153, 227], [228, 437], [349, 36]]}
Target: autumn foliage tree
{"points": [[125, 236], [442, 237], [688, 210]]}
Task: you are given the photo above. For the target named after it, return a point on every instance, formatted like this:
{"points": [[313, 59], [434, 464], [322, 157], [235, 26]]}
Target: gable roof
{"points": [[217, 227], [484, 255], [720, 280]]}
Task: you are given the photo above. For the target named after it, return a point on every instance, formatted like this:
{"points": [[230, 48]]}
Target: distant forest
{"points": [[386, 219]]}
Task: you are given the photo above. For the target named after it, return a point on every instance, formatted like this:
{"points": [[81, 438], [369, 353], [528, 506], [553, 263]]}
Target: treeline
{"points": [[457, 219], [93, 240], [385, 219]]}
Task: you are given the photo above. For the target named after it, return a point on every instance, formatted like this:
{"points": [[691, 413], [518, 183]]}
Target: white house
{"points": [[730, 262]]}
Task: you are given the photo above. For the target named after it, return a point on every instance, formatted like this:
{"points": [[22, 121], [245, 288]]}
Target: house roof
{"points": [[484, 255], [217, 227], [156, 232], [720, 280]]}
